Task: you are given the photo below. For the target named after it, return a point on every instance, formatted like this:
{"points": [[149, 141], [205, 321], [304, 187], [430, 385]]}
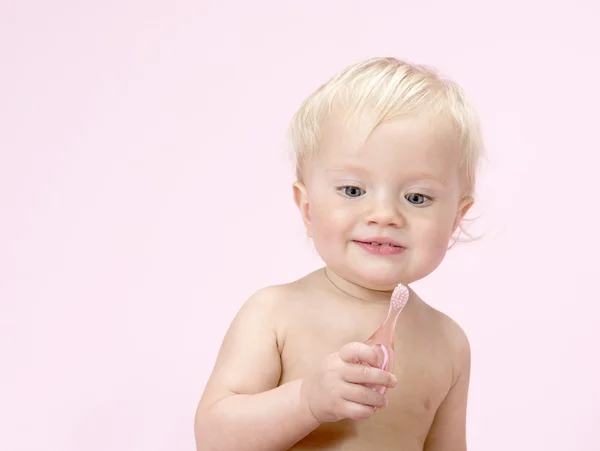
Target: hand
{"points": [[335, 391]]}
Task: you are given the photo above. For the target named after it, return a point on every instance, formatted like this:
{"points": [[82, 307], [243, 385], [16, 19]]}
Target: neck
{"points": [[354, 290]]}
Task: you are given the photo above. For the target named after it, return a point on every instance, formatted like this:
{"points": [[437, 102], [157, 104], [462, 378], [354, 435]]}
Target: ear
{"points": [[301, 200], [463, 207]]}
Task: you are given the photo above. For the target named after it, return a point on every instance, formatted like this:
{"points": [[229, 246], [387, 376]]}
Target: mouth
{"points": [[380, 242], [380, 246]]}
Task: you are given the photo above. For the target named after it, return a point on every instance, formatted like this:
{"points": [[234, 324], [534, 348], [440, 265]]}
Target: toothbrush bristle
{"points": [[400, 296]]}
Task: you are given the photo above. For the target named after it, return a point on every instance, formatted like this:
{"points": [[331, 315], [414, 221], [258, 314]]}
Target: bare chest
{"points": [[422, 367]]}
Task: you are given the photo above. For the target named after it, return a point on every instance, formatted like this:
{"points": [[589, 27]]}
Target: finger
{"points": [[357, 373], [356, 352], [355, 411], [363, 395]]}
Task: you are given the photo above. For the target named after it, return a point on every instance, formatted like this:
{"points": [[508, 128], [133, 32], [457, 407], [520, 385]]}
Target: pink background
{"points": [[145, 193]]}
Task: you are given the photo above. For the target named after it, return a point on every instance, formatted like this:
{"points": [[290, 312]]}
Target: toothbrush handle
{"points": [[383, 356], [383, 361]]}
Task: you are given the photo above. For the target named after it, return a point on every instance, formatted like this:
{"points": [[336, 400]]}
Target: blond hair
{"points": [[380, 89]]}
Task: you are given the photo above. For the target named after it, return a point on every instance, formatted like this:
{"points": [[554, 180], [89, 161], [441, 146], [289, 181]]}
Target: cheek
{"points": [[434, 234], [431, 245], [329, 222]]}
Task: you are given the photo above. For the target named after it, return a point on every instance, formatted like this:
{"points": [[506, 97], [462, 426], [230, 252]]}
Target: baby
{"points": [[386, 156]]}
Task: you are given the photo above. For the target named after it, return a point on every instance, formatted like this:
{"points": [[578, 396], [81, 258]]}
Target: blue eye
{"points": [[352, 191], [416, 199]]}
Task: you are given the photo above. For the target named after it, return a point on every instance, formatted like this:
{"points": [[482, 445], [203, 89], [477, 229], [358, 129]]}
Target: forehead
{"points": [[410, 144]]}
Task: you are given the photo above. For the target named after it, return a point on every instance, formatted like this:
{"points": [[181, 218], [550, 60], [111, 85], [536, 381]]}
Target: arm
{"points": [[448, 431], [242, 406]]}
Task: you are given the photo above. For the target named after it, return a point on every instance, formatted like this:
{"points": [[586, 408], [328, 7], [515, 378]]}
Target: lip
{"points": [[384, 247], [380, 240]]}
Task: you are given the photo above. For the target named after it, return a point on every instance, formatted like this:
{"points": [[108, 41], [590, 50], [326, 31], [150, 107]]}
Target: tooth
{"points": [[386, 244], [373, 243]]}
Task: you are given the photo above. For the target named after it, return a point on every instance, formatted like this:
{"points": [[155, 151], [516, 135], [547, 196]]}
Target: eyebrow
{"points": [[426, 176], [417, 176], [345, 169]]}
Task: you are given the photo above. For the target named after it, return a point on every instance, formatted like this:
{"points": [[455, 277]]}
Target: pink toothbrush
{"points": [[382, 339]]}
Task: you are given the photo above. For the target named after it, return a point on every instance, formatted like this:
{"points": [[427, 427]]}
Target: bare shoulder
{"points": [[275, 299], [286, 296], [448, 430], [263, 312], [265, 301], [454, 336], [271, 301], [249, 359]]}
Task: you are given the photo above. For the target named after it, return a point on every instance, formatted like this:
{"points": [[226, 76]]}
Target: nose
{"points": [[384, 213]]}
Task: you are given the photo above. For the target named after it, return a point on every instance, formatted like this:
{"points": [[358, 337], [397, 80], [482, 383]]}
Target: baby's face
{"points": [[402, 186]]}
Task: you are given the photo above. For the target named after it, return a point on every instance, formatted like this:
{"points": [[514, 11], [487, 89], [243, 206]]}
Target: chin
{"points": [[380, 280], [386, 278]]}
